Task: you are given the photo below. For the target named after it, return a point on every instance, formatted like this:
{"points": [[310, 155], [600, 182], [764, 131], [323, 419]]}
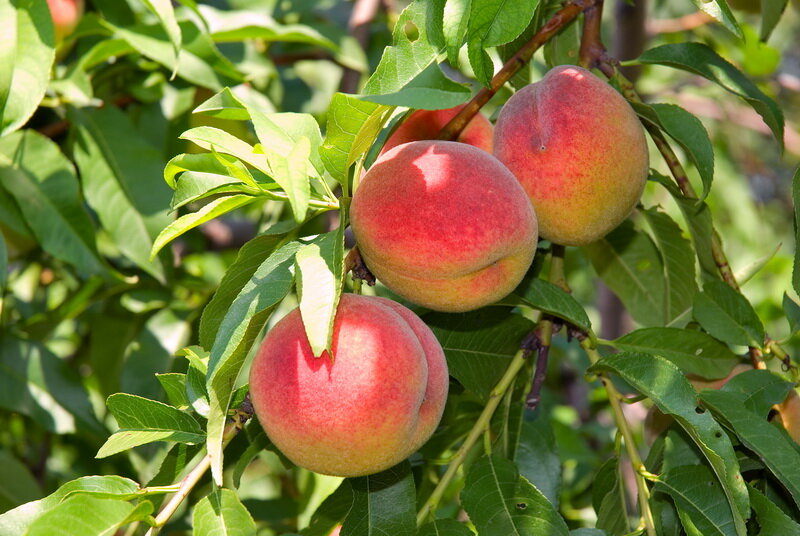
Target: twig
{"points": [[592, 49], [562, 18], [240, 417], [614, 397], [475, 433], [535, 394]]}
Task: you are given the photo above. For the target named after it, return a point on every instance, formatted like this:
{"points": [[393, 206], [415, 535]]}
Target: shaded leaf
{"points": [[43, 183], [70, 517], [727, 315], [693, 352], [383, 503], [552, 299], [792, 311], [500, 502], [722, 13], [666, 386], [631, 266], [17, 485], [479, 344], [444, 527], [770, 517], [697, 493]]}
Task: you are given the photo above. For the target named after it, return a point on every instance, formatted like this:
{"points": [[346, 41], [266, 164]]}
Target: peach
{"points": [[444, 225], [579, 151], [426, 125], [365, 408], [65, 14]]}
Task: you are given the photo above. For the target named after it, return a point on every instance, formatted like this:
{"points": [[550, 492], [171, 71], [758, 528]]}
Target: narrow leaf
{"points": [[727, 315], [222, 513], [499, 501], [702, 60], [320, 268], [666, 386], [551, 299], [383, 503], [212, 210]]}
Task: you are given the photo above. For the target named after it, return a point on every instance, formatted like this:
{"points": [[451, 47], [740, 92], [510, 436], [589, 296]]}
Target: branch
{"points": [[358, 26], [562, 18], [240, 417], [592, 48]]}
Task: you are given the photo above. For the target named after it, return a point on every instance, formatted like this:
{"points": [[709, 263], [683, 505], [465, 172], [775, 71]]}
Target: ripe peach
{"points": [[66, 14], [579, 151], [443, 224], [426, 124], [367, 407]]}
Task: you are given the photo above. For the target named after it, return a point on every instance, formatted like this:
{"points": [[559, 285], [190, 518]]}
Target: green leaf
{"points": [[174, 385], [383, 503], [3, 263], [771, 12], [250, 257], [479, 344], [759, 436], [280, 134], [212, 210], [608, 499], [688, 131], [722, 13], [727, 315], [500, 501], [331, 512], [455, 17], [551, 299], [536, 454], [761, 390], [166, 15], [290, 173], [222, 513], [83, 515], [319, 269], [17, 485], [26, 58], [199, 61], [214, 139], [693, 352], [665, 385], [792, 311], [207, 163], [698, 219], [796, 204], [143, 421], [352, 127], [42, 182], [243, 321], [16, 521], [703, 61], [630, 264], [699, 495], [37, 383], [492, 23], [771, 518], [121, 172], [195, 185], [444, 527], [408, 74]]}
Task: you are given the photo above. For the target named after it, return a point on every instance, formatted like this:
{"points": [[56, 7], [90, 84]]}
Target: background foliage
{"points": [[171, 179]]}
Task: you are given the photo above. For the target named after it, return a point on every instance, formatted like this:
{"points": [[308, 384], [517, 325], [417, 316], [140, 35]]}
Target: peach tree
{"points": [[176, 186]]}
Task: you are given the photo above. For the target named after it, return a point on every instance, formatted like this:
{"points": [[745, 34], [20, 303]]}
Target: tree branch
{"points": [[562, 18], [358, 26]]}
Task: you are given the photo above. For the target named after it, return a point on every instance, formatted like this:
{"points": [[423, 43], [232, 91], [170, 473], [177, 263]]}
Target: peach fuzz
{"points": [[426, 125], [579, 151], [367, 407], [444, 225]]}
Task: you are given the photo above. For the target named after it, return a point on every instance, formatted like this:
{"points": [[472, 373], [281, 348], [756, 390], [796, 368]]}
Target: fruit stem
{"points": [[481, 425], [559, 20], [188, 483], [643, 492]]}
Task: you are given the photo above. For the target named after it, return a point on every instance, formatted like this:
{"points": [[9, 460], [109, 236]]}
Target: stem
{"points": [[562, 18], [475, 433], [643, 492], [545, 333], [193, 477], [592, 48]]}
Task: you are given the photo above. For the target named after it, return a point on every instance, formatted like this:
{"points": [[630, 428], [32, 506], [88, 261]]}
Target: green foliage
{"points": [[176, 176]]}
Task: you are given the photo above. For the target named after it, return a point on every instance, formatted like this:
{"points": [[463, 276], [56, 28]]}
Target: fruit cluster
{"points": [[451, 226]]}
